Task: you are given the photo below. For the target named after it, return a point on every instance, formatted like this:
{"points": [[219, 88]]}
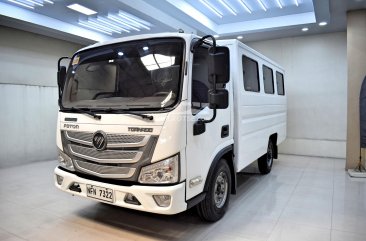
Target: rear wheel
{"points": [[265, 162], [214, 206]]}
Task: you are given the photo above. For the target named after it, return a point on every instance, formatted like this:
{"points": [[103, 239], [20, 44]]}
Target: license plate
{"points": [[100, 193]]}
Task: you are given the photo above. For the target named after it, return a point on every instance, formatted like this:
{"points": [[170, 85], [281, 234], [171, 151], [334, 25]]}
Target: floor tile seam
{"points": [[348, 232], [13, 234]]}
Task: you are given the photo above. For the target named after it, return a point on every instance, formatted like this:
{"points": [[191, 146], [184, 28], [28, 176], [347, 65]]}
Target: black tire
{"points": [[265, 162], [214, 206]]}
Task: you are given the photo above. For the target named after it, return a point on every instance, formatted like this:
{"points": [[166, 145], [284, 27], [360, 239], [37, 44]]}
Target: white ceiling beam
{"points": [[50, 23], [266, 23], [160, 16], [202, 21]]}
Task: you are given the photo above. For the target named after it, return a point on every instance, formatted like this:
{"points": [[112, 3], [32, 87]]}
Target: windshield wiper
{"points": [[119, 111], [88, 112]]}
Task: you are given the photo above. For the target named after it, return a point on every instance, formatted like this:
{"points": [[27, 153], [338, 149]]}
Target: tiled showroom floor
{"points": [[303, 198]]}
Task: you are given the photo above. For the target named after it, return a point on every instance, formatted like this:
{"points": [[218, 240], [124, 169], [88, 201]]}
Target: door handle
{"points": [[224, 131]]}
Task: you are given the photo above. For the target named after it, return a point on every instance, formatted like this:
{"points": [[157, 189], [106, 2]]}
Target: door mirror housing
{"points": [[218, 99], [219, 65]]}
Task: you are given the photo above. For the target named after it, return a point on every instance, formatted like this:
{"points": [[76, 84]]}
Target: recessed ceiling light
{"points": [[81, 9], [262, 5], [88, 25], [228, 7], [279, 3], [211, 8], [117, 19], [244, 5], [35, 3], [145, 48], [304, 29], [134, 20], [97, 24], [120, 53], [21, 4], [108, 22], [323, 23], [239, 37]]}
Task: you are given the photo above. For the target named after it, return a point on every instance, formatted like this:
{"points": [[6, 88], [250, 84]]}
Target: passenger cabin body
{"points": [[126, 126], [259, 102]]}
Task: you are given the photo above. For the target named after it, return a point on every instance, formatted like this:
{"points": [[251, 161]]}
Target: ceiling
{"points": [[252, 19]]}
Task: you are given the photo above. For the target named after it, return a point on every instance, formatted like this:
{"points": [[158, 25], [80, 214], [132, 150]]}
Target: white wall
{"points": [[316, 87], [28, 95]]}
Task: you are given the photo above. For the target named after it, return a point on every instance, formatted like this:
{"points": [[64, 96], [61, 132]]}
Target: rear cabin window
{"points": [[268, 80], [280, 83], [250, 74]]}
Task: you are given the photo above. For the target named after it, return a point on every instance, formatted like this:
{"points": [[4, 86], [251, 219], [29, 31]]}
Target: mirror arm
{"points": [[59, 62], [210, 120], [200, 42], [214, 110]]}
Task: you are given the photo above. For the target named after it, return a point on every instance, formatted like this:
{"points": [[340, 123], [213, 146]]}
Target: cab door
{"points": [[202, 148]]}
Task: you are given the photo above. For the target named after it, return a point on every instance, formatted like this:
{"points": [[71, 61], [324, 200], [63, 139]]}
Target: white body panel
{"points": [[257, 115], [142, 193]]}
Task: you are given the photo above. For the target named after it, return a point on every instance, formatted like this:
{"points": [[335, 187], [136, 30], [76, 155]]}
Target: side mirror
{"points": [[219, 65], [218, 99], [61, 76]]}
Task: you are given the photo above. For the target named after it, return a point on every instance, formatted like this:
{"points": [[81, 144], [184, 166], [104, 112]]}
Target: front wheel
{"points": [[214, 206], [265, 162]]}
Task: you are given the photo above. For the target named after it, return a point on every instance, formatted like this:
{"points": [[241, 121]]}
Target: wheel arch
{"points": [[227, 154]]}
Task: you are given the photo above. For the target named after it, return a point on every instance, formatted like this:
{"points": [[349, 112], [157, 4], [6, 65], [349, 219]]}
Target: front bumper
{"points": [[144, 194]]}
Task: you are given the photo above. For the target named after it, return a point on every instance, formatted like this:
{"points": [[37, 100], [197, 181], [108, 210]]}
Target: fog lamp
{"points": [[162, 200], [59, 179]]}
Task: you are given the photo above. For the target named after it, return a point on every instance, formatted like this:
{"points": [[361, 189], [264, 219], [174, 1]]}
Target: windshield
{"points": [[134, 75]]}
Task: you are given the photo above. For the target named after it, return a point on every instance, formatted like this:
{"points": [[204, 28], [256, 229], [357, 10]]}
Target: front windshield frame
{"points": [[180, 86]]}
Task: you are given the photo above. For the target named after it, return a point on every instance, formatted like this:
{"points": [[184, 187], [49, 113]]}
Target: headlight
{"points": [[65, 161], [166, 171]]}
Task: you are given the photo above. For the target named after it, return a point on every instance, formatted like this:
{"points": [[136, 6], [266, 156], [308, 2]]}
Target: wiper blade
{"points": [[88, 112], [120, 111]]}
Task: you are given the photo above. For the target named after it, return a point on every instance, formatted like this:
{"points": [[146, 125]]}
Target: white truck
{"points": [[163, 122]]}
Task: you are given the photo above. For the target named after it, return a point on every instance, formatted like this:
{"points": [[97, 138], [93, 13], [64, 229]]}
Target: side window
{"points": [[200, 83], [280, 83], [250, 74], [268, 80]]}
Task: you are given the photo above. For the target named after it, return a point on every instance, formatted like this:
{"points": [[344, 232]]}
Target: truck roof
{"points": [[138, 37]]}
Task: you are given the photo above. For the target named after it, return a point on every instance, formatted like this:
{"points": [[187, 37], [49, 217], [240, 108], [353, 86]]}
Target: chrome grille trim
{"points": [[106, 156], [114, 140], [105, 171]]}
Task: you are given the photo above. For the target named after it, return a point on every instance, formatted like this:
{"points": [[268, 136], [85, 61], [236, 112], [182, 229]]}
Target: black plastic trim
{"points": [[195, 200], [71, 119], [217, 158]]}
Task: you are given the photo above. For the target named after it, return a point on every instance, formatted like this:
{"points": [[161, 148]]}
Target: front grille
{"points": [[105, 171], [122, 159], [114, 140], [106, 156]]}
